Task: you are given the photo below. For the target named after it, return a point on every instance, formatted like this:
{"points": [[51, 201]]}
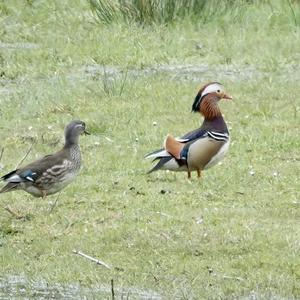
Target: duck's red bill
{"points": [[225, 96]]}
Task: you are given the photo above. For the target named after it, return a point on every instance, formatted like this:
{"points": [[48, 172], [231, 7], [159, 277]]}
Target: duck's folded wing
{"points": [[51, 169], [192, 135], [50, 164], [163, 153], [16, 177]]}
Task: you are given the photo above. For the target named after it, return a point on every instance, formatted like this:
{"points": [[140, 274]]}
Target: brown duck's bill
{"points": [[86, 133]]}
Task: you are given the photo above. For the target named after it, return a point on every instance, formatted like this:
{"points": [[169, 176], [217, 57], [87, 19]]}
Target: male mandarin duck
{"points": [[51, 173], [201, 148]]}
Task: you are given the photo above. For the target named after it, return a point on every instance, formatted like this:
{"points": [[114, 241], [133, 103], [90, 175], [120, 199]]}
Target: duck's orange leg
{"points": [[44, 194], [189, 174], [199, 173]]}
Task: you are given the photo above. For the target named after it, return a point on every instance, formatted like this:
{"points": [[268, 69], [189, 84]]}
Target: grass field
{"points": [[233, 234]]}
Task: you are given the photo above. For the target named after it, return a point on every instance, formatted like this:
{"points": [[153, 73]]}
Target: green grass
{"points": [[170, 11], [228, 235]]}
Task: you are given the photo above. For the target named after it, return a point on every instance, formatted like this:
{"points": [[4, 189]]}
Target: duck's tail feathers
{"points": [[11, 176], [9, 187], [160, 164], [12, 180], [158, 154]]}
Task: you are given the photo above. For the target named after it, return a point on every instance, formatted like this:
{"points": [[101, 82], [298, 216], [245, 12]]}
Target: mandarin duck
{"points": [[51, 173], [201, 148]]}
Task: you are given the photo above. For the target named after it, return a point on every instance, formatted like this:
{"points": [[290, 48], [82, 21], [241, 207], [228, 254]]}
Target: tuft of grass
{"points": [[162, 12], [170, 11]]}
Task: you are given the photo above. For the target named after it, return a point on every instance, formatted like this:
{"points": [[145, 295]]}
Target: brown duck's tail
{"points": [[9, 187]]}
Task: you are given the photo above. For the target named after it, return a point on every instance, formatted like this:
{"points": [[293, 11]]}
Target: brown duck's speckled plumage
{"points": [[51, 173]]}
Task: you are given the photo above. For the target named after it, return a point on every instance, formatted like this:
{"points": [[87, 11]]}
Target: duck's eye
{"points": [[218, 91]]}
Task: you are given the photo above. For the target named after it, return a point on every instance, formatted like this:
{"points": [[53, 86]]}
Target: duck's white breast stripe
{"points": [[218, 136]]}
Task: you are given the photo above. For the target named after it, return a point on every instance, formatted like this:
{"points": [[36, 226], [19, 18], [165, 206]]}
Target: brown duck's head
{"points": [[73, 130], [207, 98]]}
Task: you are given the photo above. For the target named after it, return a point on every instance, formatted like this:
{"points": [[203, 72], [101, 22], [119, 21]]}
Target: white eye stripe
{"points": [[214, 87], [79, 125]]}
